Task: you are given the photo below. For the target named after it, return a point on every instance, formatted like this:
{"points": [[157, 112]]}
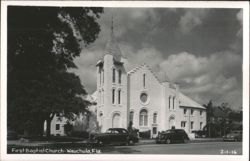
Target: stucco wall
{"points": [[106, 107], [154, 91], [196, 118]]}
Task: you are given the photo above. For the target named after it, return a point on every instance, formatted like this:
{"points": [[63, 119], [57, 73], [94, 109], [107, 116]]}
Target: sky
{"points": [[200, 49]]}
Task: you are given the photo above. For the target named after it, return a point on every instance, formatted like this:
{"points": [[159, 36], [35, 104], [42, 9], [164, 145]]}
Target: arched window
{"points": [[144, 80], [155, 118], [116, 121], [113, 96], [100, 76], [103, 76], [101, 118], [120, 76], [173, 102], [102, 96], [119, 96], [131, 116], [113, 75], [169, 100], [143, 120], [99, 97]]}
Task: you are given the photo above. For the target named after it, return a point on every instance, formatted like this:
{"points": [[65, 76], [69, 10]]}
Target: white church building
{"points": [[135, 96], [139, 97]]}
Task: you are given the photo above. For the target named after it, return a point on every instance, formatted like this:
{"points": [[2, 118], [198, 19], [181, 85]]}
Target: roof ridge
{"points": [[135, 69], [147, 66]]}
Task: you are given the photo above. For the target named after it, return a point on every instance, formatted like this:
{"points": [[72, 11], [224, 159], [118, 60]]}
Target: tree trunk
{"points": [[48, 120], [40, 128], [48, 123]]}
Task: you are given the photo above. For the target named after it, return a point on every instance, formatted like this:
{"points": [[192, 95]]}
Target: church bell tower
{"points": [[112, 110]]}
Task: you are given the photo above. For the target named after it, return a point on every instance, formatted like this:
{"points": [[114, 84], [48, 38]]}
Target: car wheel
{"points": [[100, 143], [168, 141], [130, 142], [185, 140]]}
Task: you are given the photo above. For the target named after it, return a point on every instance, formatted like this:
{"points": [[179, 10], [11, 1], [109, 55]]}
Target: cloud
{"points": [[191, 19], [239, 17], [206, 78], [182, 64], [146, 54], [202, 78], [86, 70], [126, 19]]}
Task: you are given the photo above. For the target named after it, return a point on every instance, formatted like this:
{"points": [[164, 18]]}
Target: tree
{"points": [[130, 126], [42, 44], [210, 114]]}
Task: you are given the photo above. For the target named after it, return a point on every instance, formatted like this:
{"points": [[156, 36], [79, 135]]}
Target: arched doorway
{"points": [[116, 120], [100, 123], [171, 122]]}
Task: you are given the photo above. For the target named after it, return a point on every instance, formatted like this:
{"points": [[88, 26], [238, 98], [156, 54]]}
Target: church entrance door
{"points": [[116, 121], [171, 122]]}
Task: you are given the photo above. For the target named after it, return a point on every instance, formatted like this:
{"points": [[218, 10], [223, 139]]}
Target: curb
{"points": [[142, 142]]}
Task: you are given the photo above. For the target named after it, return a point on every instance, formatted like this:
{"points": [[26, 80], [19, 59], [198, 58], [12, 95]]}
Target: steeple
{"points": [[112, 46]]}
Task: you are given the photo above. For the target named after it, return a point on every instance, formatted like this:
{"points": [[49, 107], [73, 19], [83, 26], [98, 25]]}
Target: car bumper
{"points": [[229, 139]]}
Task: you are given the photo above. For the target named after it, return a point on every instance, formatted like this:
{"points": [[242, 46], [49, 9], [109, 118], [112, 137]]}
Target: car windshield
{"points": [[162, 136], [123, 131], [169, 131], [109, 131], [236, 132]]}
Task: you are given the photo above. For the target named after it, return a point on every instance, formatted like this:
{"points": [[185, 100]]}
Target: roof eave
{"points": [[193, 107]]}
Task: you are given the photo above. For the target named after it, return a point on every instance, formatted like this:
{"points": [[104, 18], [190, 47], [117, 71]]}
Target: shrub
{"points": [[80, 134], [145, 134]]}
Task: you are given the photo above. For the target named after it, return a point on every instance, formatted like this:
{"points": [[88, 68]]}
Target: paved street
{"points": [[215, 148]]}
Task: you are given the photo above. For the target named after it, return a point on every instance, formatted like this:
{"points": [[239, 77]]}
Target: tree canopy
{"points": [[42, 44], [222, 119]]}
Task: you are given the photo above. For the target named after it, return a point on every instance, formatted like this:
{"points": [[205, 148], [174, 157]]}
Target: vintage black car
{"points": [[233, 136], [172, 136], [115, 136]]}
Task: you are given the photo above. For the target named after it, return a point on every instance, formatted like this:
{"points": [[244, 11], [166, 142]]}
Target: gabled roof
{"points": [[185, 101], [135, 69]]}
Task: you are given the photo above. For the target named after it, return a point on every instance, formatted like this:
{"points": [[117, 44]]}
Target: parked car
{"points": [[12, 135], [233, 136], [199, 133], [115, 136], [172, 136]]}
